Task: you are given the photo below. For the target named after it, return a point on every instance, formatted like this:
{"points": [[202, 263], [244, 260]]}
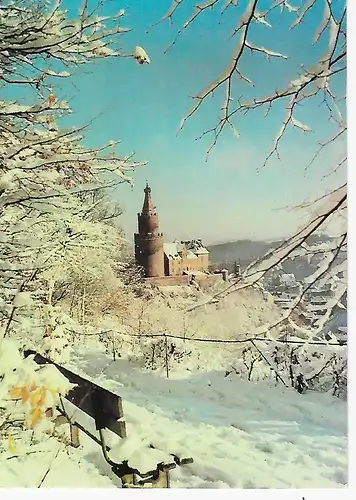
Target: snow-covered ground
{"points": [[240, 434], [51, 465]]}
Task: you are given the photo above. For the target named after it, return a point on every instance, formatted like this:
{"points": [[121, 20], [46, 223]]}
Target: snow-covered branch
{"points": [[309, 84], [46, 174]]}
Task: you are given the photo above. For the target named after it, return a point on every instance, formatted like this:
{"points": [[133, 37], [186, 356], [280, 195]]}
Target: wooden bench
{"points": [[105, 408]]}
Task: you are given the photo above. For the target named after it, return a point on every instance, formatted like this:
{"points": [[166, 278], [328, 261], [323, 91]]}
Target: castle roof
{"points": [[148, 208], [191, 255], [171, 251], [201, 251], [174, 251], [196, 246]]}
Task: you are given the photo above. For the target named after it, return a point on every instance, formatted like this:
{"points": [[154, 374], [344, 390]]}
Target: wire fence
{"points": [[341, 342], [250, 340], [247, 340]]}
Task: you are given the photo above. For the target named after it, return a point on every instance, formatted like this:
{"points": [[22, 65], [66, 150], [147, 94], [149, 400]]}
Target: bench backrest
{"points": [[102, 405]]}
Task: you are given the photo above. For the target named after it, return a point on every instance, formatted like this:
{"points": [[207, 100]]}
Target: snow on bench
{"points": [[93, 409]]}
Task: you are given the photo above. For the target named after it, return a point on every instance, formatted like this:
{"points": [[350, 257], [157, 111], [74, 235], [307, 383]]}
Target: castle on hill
{"points": [[159, 259]]}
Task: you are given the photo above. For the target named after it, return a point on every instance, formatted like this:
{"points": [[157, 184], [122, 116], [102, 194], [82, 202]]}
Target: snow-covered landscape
{"points": [[240, 434], [240, 378]]}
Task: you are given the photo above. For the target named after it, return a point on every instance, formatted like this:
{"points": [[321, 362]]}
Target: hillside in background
{"points": [[246, 251]]}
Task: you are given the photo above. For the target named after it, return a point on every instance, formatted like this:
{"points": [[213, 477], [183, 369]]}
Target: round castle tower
{"points": [[149, 241]]}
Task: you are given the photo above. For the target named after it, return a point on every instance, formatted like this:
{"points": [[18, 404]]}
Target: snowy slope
{"points": [[51, 465], [240, 434]]}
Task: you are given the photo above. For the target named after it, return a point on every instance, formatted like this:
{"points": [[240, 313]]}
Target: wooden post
{"points": [[113, 346], [73, 429], [128, 480], [74, 435], [166, 354], [163, 480]]}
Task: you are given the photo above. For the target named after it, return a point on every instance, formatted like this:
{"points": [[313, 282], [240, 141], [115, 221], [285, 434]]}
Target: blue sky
{"points": [[225, 198]]}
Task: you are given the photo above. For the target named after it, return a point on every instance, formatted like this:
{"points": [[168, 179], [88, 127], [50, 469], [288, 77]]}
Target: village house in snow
{"points": [[159, 259]]}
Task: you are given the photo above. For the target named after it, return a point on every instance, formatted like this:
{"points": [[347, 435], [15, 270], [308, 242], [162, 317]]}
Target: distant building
{"points": [[165, 259], [287, 279]]}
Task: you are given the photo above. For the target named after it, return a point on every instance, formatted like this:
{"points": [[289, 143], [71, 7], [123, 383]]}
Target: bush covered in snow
{"points": [[27, 391], [163, 352], [301, 366]]}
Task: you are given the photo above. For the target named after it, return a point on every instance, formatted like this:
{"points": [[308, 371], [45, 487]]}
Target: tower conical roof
{"points": [[148, 208], [148, 219]]}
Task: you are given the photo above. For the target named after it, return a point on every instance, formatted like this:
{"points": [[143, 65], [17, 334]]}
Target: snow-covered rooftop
{"points": [[171, 251], [196, 246], [191, 255], [287, 279], [201, 251], [174, 249]]}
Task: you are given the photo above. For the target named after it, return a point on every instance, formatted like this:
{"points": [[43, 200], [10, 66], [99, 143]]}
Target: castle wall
{"points": [[170, 280], [176, 267], [173, 267], [184, 279]]}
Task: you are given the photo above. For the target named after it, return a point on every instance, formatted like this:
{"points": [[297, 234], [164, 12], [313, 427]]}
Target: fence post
{"points": [[166, 354]]}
